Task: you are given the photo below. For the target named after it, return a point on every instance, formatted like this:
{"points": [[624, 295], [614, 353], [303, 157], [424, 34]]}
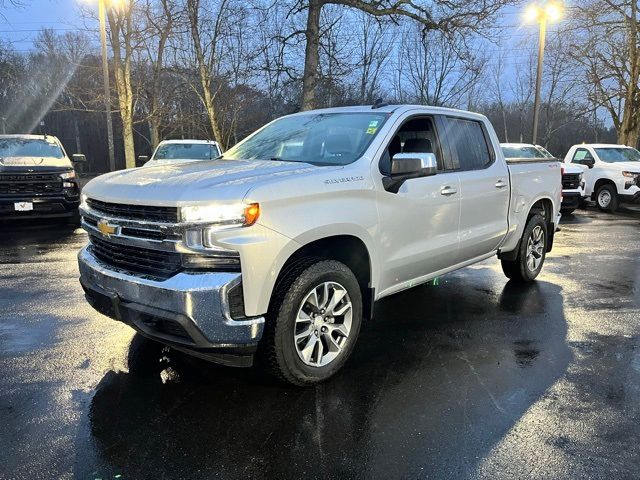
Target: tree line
{"points": [[221, 68]]}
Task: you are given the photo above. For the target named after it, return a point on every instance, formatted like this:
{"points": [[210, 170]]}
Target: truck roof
{"points": [[395, 109], [601, 145], [208, 142], [26, 136]]}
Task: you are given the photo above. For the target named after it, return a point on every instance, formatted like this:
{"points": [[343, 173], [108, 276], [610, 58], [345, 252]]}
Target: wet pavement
{"points": [[472, 378]]}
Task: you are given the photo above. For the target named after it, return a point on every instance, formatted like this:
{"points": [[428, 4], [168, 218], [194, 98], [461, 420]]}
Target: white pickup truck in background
{"points": [[611, 172], [279, 249], [180, 151], [573, 183]]}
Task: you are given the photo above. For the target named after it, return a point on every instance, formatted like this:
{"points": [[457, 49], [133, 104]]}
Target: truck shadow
{"points": [[438, 378]]}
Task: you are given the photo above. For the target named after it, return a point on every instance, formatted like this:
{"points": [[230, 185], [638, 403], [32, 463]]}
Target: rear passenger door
{"points": [[484, 187]]}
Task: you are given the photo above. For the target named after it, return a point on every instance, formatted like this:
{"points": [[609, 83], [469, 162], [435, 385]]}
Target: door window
{"points": [[416, 135], [469, 146], [582, 157]]}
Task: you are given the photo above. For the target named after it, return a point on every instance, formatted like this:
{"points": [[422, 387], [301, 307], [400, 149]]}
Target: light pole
{"points": [[105, 79], [549, 12]]}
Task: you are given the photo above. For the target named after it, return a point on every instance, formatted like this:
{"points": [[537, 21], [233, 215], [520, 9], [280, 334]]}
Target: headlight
{"points": [[630, 174], [224, 215], [68, 175], [83, 201], [580, 175]]}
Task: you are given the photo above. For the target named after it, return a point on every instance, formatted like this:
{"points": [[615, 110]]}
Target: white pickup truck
{"points": [[572, 175], [612, 173], [279, 249]]}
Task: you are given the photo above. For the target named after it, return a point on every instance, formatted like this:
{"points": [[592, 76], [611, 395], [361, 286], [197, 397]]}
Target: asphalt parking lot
{"points": [[471, 378]]}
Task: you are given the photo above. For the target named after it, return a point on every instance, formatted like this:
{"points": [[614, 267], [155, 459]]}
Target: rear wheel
{"points": [[531, 253], [607, 198], [313, 324]]}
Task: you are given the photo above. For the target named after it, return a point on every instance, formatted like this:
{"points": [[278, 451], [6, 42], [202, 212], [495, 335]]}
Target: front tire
{"points": [[531, 253], [607, 198], [313, 322]]}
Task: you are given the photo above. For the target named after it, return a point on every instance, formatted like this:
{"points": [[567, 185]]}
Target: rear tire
{"points": [[298, 338], [607, 198], [531, 252]]}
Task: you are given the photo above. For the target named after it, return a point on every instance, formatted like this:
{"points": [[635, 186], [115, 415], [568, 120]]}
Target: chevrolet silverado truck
{"points": [[573, 183], [277, 251], [37, 179], [611, 172]]}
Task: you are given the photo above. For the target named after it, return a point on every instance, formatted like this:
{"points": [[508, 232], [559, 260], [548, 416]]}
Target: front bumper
{"points": [[58, 206], [635, 198], [189, 311], [571, 200]]}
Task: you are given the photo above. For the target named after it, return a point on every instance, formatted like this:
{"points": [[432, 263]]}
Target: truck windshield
{"points": [[29, 147], [522, 152], [614, 155], [186, 151], [316, 138]]}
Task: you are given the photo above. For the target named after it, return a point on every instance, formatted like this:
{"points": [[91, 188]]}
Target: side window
{"points": [[416, 135], [469, 146], [581, 155]]}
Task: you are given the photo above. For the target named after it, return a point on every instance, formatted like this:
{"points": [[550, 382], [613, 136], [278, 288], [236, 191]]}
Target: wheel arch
{"points": [[599, 183], [544, 207], [345, 248]]}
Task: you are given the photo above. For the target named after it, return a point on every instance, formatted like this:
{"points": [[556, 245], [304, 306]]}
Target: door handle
{"points": [[447, 190], [501, 184]]}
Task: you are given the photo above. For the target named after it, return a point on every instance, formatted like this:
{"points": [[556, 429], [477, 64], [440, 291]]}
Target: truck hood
{"points": [[34, 162], [627, 166], [568, 168], [193, 182]]}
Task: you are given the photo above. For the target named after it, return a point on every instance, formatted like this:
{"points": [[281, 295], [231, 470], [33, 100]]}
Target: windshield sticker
{"points": [[373, 127]]}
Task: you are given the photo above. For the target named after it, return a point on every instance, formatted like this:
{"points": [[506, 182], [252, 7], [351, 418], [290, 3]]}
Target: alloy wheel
{"points": [[323, 324], [535, 248]]}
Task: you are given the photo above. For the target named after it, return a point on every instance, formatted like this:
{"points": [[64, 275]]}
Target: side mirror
{"points": [[589, 162], [142, 159], [78, 158], [405, 166], [413, 165]]}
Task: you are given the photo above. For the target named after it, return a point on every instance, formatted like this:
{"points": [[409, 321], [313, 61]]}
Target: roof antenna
{"points": [[378, 103]]}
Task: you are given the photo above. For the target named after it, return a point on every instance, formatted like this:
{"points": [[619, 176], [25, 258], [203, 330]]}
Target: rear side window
{"points": [[468, 143]]}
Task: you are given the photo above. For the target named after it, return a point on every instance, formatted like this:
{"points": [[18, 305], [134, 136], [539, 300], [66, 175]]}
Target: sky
{"points": [[20, 25]]}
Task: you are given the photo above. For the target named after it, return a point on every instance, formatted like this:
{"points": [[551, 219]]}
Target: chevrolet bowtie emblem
{"points": [[106, 228]]}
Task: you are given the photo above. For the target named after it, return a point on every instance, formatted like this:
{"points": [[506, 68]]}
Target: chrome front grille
{"points": [[135, 212], [158, 264]]}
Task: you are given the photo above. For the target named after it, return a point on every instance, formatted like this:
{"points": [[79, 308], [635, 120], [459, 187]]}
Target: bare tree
{"points": [[159, 18], [207, 57], [606, 42], [121, 34], [449, 16], [434, 68]]}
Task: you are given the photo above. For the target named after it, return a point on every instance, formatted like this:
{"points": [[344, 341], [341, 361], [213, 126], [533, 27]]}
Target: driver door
{"points": [[419, 225]]}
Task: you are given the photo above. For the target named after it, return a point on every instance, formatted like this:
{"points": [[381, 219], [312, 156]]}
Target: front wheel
{"points": [[531, 253], [607, 198], [313, 324]]}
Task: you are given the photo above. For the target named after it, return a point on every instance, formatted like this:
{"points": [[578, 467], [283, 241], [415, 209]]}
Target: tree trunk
{"points": [[311, 56], [154, 128]]}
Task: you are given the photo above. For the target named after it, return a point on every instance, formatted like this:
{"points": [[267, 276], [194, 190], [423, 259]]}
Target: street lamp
{"points": [[549, 12]]}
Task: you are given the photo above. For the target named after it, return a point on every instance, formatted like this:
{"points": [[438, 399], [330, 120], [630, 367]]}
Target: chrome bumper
{"points": [[196, 302]]}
